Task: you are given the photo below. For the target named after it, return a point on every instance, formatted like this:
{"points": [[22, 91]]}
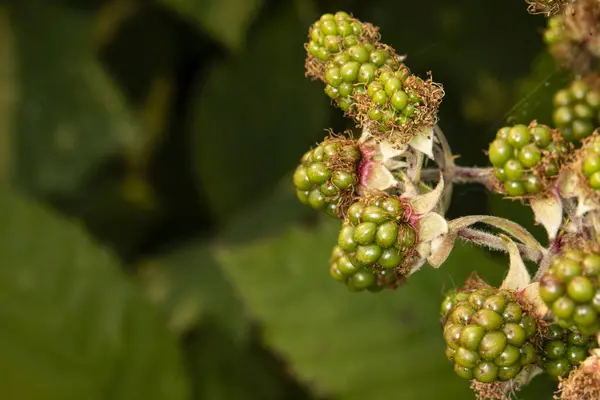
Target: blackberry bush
{"points": [[391, 187]]}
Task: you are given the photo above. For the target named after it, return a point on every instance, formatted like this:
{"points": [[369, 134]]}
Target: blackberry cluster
{"points": [[576, 110], [489, 335], [526, 159], [564, 350], [590, 166], [374, 242], [327, 175], [570, 288], [332, 34], [367, 80]]}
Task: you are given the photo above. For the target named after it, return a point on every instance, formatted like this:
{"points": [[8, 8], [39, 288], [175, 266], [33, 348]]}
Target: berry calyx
{"points": [[375, 238], [526, 159], [327, 176], [489, 334], [570, 288]]}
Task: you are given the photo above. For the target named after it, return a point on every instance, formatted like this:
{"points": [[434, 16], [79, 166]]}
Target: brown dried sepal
{"points": [[576, 165], [582, 22], [583, 383], [315, 68], [495, 390], [398, 135], [343, 161], [545, 7], [548, 157]]}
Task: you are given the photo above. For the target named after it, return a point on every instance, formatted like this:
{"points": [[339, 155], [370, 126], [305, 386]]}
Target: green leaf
{"points": [[69, 114], [351, 345], [188, 284], [225, 20], [270, 216], [72, 326], [255, 115], [223, 368], [534, 93]]}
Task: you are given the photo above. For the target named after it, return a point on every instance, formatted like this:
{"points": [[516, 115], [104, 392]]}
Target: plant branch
{"points": [[456, 174], [494, 242]]}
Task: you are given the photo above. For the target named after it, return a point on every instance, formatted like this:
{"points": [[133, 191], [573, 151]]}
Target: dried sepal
{"points": [[423, 141], [518, 277], [583, 383], [424, 203], [546, 7], [548, 211], [531, 294]]}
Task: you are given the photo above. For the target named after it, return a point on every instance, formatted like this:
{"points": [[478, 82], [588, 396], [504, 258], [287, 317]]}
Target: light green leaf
{"points": [[350, 345], [188, 284], [69, 114], [72, 326], [225, 20], [255, 115]]}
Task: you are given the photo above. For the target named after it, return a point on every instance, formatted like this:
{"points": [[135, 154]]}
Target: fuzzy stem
{"points": [[494, 242], [457, 174], [553, 250]]}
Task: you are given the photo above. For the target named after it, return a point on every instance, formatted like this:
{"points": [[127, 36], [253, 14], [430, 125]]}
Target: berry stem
{"points": [[494, 242], [461, 175]]}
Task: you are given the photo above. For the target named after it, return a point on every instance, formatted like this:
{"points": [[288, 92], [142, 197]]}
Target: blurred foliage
{"points": [[151, 245]]}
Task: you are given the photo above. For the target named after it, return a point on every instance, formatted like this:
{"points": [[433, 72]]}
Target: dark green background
{"points": [[151, 246]]}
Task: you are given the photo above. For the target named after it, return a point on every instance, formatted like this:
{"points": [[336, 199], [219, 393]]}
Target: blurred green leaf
{"points": [[72, 326], [70, 116], [188, 284], [222, 368], [269, 217], [225, 20], [534, 93], [351, 345], [255, 115]]}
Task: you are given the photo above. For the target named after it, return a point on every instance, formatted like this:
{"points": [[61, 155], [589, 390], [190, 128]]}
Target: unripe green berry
{"points": [[349, 71], [399, 100]]}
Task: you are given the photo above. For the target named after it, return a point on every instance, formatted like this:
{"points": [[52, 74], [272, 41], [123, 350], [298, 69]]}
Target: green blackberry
{"points": [[489, 335], [563, 350], [590, 163], [327, 175], [526, 159], [375, 238], [334, 33], [554, 32], [368, 81], [570, 288], [576, 110]]}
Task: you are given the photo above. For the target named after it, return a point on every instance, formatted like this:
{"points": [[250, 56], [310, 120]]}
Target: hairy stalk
{"points": [[461, 175], [494, 242], [544, 263]]}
